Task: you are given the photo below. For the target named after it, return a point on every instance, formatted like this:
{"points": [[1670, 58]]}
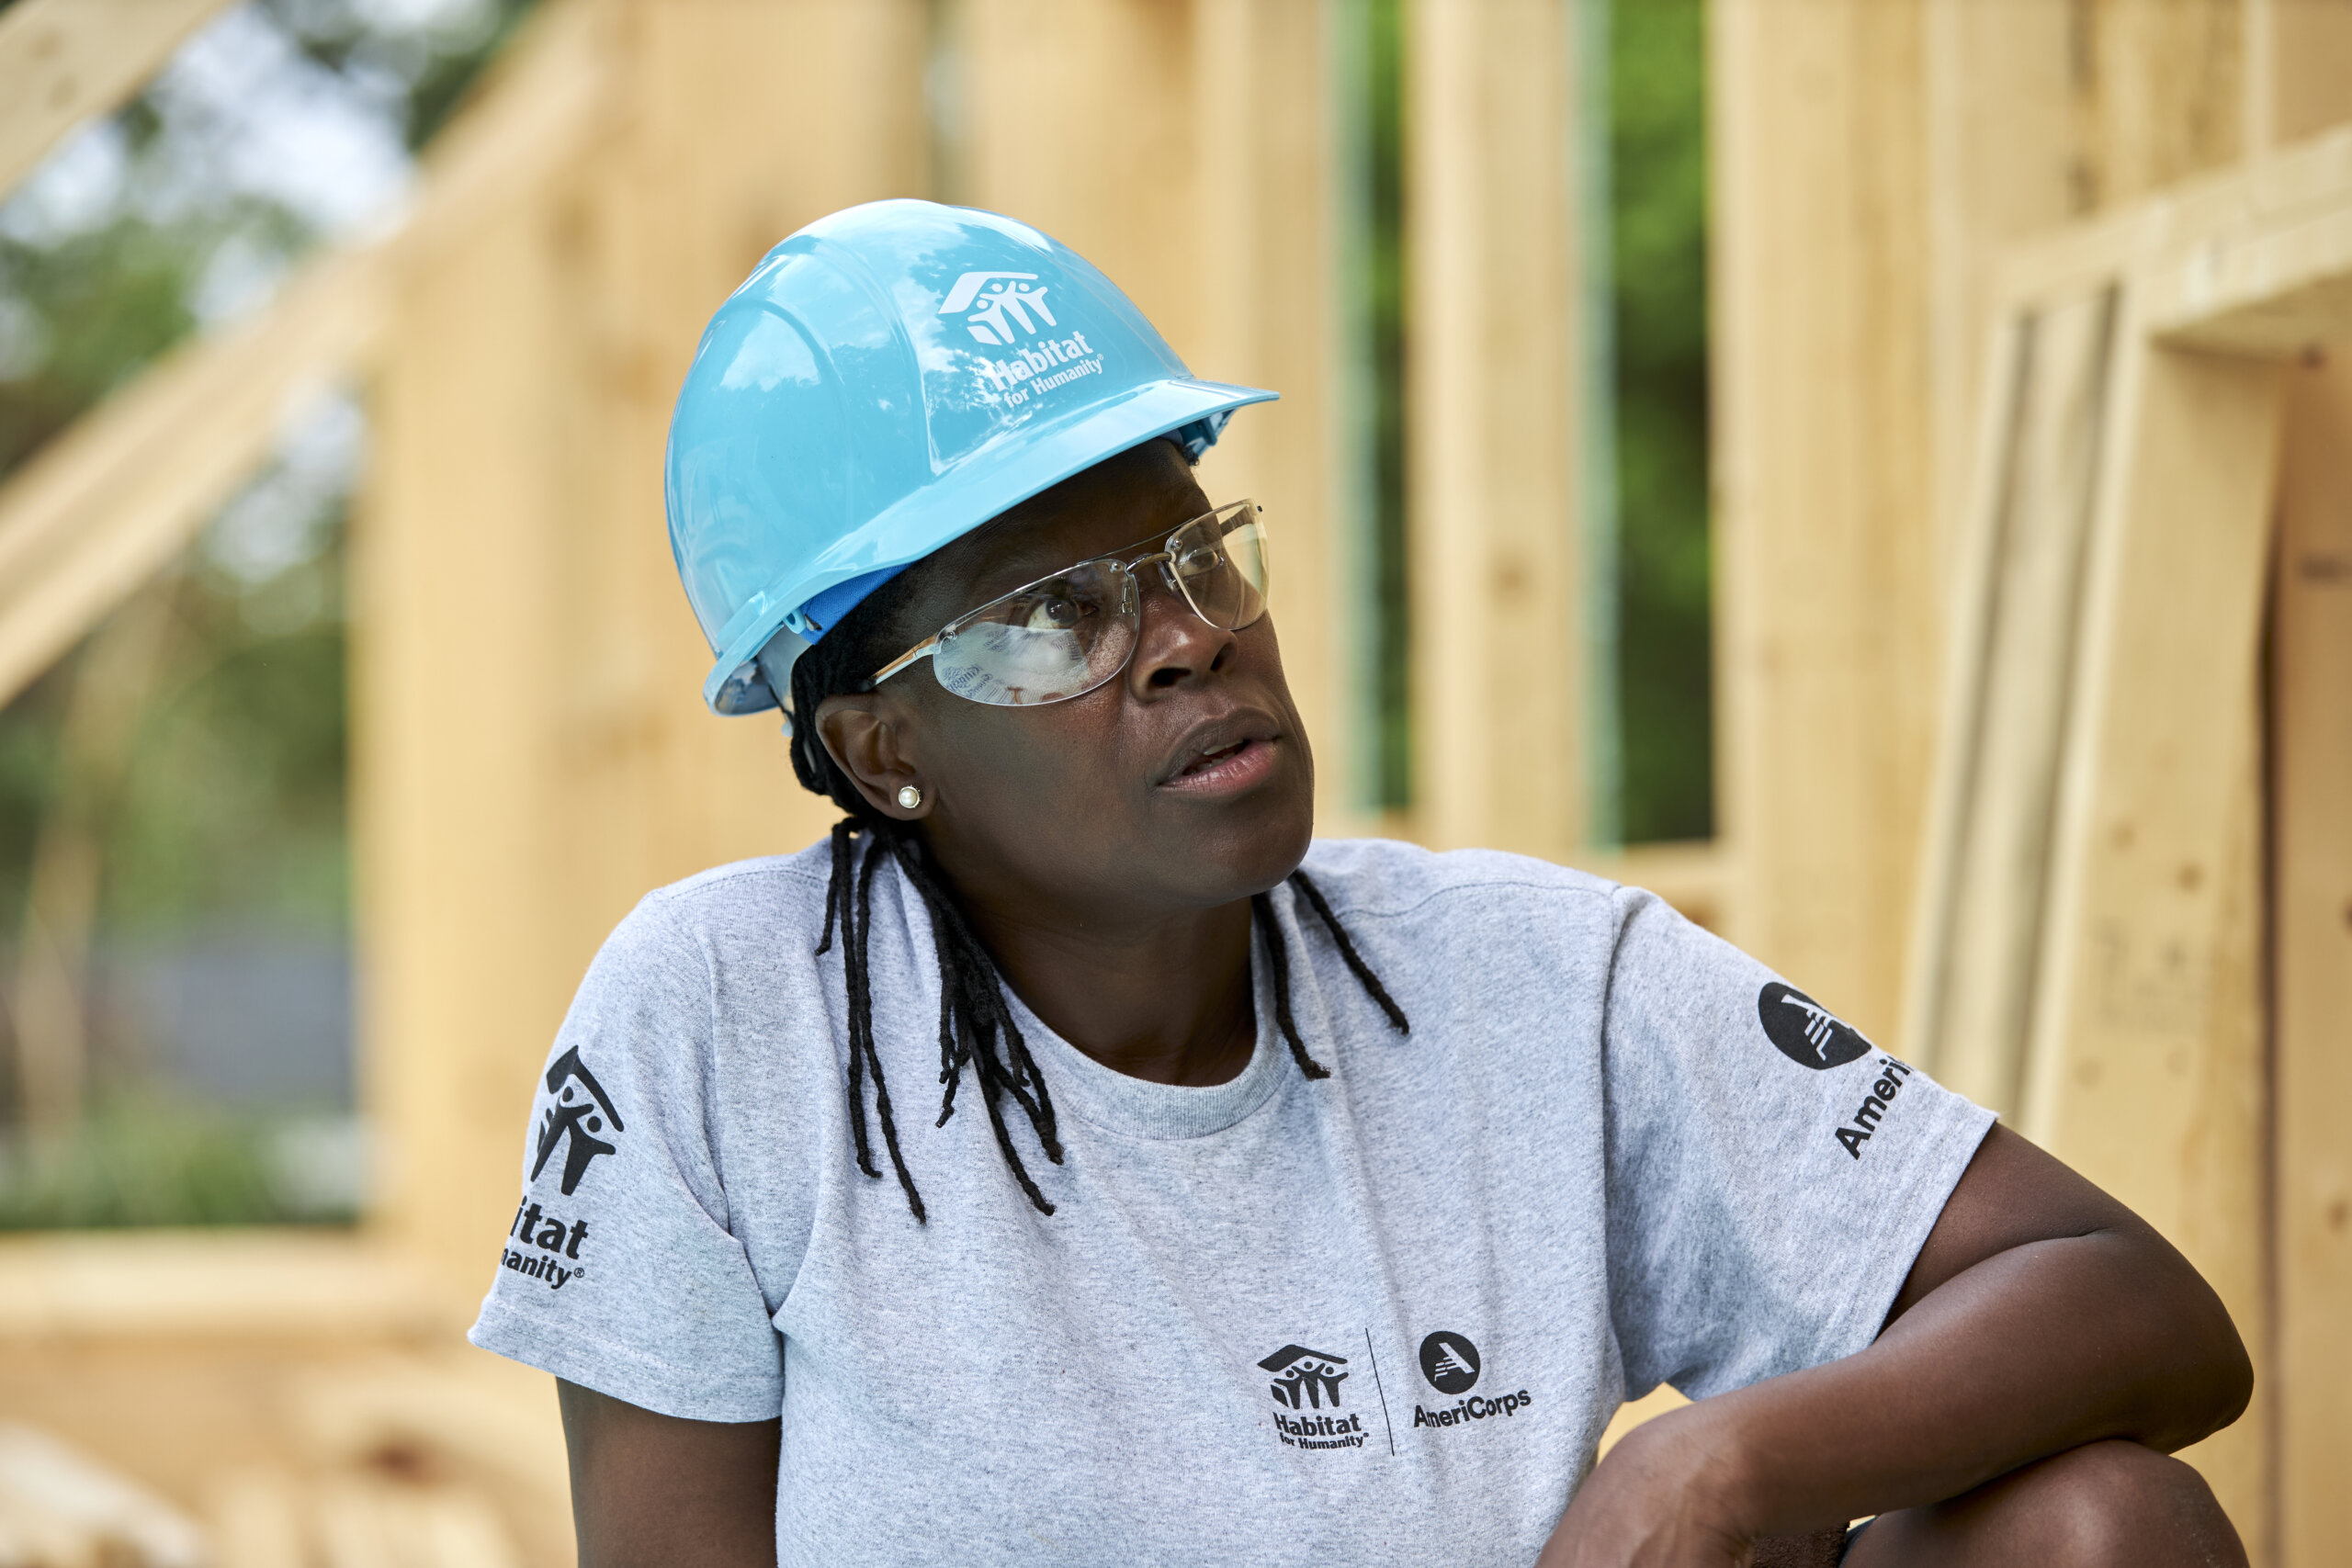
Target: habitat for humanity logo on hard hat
{"points": [[1001, 308]]}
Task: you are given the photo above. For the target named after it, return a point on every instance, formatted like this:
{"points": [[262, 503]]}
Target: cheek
{"points": [[1022, 769]]}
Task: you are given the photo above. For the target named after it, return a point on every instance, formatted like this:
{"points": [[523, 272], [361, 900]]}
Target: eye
{"points": [[1055, 613], [1204, 558]]}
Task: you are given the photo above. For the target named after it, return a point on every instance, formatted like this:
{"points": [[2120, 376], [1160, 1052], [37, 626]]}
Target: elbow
{"points": [[2211, 1380], [2232, 1378]]}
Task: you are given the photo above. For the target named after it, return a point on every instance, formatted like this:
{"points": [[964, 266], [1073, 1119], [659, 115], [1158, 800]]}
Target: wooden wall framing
{"points": [[2090, 936]]}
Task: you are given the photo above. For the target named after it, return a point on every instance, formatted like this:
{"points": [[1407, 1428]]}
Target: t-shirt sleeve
{"points": [[619, 1271], [1771, 1173]]}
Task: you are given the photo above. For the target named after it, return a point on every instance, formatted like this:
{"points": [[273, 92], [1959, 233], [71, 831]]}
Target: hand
{"points": [[1663, 1498]]}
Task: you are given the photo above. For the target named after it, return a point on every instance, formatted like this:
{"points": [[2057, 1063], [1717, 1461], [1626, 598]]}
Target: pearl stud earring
{"points": [[910, 797]]}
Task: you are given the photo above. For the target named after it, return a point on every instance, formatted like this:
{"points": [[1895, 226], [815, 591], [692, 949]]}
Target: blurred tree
{"points": [[1659, 202], [282, 124]]}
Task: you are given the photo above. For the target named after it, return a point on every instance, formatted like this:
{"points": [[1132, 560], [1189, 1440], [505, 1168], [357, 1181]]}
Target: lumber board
{"points": [[121, 491], [87, 1511], [1498, 671], [2310, 873], [63, 61], [2006, 718], [1827, 568]]}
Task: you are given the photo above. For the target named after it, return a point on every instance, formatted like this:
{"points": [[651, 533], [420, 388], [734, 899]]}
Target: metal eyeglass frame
{"points": [[1164, 558]]}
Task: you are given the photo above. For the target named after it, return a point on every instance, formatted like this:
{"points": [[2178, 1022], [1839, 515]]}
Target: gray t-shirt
{"points": [[1379, 1317]]}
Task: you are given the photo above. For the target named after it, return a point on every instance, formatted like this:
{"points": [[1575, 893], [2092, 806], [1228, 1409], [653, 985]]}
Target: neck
{"points": [[1164, 996]]}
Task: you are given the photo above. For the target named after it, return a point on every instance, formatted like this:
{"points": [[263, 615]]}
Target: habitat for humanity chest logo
{"points": [[999, 309], [1309, 1379]]}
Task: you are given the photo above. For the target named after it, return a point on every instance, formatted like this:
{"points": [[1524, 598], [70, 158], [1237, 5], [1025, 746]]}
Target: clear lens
{"points": [[1052, 640], [1064, 636], [1220, 562]]}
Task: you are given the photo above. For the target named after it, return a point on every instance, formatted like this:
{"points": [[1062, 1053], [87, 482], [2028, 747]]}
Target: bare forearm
{"points": [[2041, 1315], [2037, 1349]]}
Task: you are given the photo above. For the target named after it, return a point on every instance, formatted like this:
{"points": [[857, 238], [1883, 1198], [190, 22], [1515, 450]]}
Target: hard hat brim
{"points": [[987, 485]]}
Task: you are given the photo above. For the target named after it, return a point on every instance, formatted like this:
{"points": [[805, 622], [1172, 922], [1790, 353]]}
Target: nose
{"points": [[1173, 645]]}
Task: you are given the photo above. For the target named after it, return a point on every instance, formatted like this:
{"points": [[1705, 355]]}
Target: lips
{"points": [[1227, 752]]}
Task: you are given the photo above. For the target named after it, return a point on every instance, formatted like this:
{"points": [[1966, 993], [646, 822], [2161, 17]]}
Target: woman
{"points": [[1280, 1198]]}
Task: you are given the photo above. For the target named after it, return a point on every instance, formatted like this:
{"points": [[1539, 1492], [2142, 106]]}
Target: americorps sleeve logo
{"points": [[580, 1109], [1806, 1033]]}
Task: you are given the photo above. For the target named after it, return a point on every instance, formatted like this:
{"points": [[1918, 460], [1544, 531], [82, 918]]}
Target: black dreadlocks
{"points": [[976, 1024]]}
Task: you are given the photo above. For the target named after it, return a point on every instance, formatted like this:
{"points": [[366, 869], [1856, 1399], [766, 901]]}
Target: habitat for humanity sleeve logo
{"points": [[544, 1246], [999, 309], [581, 1111]]}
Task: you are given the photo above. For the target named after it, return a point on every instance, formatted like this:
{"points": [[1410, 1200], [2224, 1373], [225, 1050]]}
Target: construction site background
{"points": [[1879, 463]]}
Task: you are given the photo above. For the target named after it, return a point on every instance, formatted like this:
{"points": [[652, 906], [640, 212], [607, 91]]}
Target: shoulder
{"points": [[770, 895], [750, 910], [1381, 878]]}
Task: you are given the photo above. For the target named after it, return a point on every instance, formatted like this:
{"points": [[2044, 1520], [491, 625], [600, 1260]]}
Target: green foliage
{"points": [[233, 800], [1658, 213], [106, 303], [151, 1161]]}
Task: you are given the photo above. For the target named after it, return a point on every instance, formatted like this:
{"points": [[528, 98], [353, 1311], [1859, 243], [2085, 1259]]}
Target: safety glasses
{"points": [[1063, 635]]}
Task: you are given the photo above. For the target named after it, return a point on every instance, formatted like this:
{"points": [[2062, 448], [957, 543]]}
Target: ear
{"points": [[868, 739]]}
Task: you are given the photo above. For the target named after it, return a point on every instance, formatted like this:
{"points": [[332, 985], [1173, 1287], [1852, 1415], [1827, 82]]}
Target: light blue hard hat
{"points": [[887, 380]]}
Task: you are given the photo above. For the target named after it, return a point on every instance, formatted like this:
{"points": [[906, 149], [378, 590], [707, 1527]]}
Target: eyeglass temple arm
{"points": [[922, 649]]}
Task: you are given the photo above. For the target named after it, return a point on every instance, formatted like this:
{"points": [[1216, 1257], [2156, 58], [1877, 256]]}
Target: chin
{"points": [[1261, 842]]}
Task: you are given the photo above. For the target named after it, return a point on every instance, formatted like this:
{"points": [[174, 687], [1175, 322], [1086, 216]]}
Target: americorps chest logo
{"points": [[1449, 1364], [1806, 1033], [1000, 310], [580, 1112]]}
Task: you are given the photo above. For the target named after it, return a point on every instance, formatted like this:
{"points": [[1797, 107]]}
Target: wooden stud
{"points": [[1498, 663], [1827, 568], [63, 61], [2311, 979], [1980, 928], [2307, 86]]}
